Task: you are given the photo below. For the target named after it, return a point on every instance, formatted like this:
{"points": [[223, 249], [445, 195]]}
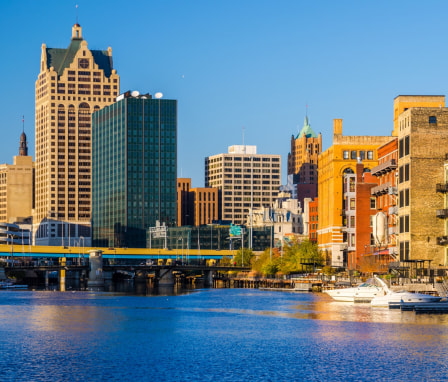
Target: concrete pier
{"points": [[96, 278]]}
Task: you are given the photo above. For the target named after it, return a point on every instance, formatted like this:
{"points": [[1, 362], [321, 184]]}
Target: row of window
{"points": [[358, 154]]}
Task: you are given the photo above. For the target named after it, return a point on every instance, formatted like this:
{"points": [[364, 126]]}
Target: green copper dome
{"points": [[306, 130]]}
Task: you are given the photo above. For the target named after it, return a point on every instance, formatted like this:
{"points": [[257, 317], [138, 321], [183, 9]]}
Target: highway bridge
{"points": [[39, 252], [100, 264]]}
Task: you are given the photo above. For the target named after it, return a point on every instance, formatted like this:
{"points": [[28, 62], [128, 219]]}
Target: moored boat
{"points": [[364, 292], [390, 297]]}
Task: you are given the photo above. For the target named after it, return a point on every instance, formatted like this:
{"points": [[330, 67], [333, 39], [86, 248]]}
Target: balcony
{"points": [[442, 187], [392, 230], [384, 168], [392, 191], [393, 210], [382, 189], [442, 214], [442, 240]]}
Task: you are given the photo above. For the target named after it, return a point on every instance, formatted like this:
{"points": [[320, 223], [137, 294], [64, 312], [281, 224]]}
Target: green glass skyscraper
{"points": [[134, 169]]}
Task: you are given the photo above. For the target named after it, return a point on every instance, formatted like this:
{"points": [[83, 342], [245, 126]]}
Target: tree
{"points": [[243, 257]]}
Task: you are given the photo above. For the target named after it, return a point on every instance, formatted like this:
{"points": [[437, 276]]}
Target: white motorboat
{"points": [[364, 292], [401, 296]]}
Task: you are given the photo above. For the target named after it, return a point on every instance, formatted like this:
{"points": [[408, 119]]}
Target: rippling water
{"points": [[214, 334]]}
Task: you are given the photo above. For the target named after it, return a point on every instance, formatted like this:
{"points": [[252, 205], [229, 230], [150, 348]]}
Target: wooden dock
{"points": [[421, 307]]}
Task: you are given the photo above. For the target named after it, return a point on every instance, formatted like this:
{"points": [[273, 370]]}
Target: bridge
{"points": [[97, 264], [36, 251]]}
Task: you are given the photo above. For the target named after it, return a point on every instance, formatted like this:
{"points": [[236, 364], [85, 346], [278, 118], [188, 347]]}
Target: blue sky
{"points": [[238, 63]]}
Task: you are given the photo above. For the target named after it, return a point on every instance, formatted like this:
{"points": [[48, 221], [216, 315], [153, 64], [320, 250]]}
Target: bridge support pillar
{"points": [[166, 278], [96, 277], [208, 278], [62, 275]]}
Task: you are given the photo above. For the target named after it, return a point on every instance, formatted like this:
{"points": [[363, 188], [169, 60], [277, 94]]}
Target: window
{"points": [[406, 145], [362, 155], [346, 155], [370, 155], [352, 222], [352, 203], [353, 155], [406, 197], [372, 203], [406, 172], [400, 148], [433, 119]]}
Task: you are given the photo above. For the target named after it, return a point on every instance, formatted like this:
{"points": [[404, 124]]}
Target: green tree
{"points": [[243, 257], [299, 256], [266, 263]]}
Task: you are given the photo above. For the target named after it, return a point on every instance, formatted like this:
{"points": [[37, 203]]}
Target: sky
{"points": [[235, 66]]}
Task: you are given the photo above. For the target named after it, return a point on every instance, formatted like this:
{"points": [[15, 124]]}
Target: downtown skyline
{"points": [[255, 65]]}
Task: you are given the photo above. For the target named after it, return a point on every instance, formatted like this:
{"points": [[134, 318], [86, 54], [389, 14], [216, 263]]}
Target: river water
{"points": [[214, 335]]}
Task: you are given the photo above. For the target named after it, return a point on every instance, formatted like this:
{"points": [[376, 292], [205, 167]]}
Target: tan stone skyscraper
{"points": [[72, 84]]}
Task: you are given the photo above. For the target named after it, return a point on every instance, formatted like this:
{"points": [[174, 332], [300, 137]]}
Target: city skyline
{"points": [[233, 66]]}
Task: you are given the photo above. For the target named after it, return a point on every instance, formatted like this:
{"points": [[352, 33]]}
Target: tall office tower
{"points": [[134, 161], [71, 85], [16, 186], [302, 161], [245, 179]]}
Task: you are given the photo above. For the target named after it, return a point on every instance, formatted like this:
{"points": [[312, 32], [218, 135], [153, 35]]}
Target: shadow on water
{"points": [[123, 287]]}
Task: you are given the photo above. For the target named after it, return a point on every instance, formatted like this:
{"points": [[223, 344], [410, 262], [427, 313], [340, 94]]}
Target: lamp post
{"points": [[251, 201]]}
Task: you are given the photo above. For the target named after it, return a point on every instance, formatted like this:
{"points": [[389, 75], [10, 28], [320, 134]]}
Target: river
{"points": [[214, 335]]}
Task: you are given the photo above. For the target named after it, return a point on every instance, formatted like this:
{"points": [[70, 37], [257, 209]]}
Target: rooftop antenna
{"points": [[306, 110], [76, 13], [23, 123]]}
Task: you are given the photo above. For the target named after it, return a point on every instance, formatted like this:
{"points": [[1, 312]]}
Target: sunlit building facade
{"points": [[71, 85]]}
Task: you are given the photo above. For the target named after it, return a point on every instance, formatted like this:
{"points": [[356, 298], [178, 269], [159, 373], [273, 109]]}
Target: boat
{"points": [[364, 292], [393, 298]]}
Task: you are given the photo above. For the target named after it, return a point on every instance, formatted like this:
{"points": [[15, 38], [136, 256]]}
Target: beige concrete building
{"points": [[72, 83], [422, 184], [16, 186], [244, 179]]}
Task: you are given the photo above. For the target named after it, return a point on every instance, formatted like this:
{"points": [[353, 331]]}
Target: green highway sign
{"points": [[235, 230]]}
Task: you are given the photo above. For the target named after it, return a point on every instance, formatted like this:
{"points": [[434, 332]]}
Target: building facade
{"points": [[284, 217], [196, 206], [17, 186], [303, 161], [244, 179], [134, 164], [334, 163], [422, 179], [72, 84], [386, 194]]}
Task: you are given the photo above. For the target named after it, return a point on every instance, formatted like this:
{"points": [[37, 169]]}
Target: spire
{"points": [[23, 148], [306, 130]]}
